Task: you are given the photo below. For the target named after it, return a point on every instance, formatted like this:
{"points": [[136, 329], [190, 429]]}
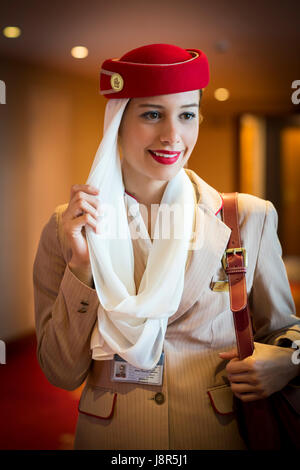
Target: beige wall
{"points": [[290, 178], [213, 158], [51, 126], [253, 155]]}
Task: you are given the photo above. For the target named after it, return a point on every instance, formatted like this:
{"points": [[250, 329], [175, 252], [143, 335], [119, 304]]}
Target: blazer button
{"points": [[82, 310], [159, 398]]}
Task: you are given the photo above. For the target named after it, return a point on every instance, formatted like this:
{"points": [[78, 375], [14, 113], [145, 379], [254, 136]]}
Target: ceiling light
{"points": [[79, 52], [11, 32], [221, 94]]}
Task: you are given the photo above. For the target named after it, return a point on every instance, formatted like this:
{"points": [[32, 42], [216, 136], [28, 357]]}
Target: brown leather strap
{"points": [[235, 269]]}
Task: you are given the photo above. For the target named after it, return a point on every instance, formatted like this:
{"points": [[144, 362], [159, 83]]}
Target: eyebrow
{"points": [[149, 105]]}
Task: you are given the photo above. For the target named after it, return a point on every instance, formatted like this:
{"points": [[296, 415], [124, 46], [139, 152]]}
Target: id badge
{"points": [[122, 371]]}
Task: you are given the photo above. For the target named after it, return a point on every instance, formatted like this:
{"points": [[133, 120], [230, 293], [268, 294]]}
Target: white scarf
{"points": [[133, 324]]}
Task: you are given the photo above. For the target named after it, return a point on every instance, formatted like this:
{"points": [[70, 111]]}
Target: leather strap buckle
{"points": [[235, 251]]}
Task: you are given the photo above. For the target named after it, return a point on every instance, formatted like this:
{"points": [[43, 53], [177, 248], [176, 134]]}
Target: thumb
{"points": [[229, 354]]}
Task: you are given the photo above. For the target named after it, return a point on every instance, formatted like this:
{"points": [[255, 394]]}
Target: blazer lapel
{"points": [[211, 239]]}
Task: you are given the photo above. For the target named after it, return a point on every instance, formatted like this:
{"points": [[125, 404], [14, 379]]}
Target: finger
{"points": [[244, 378], [77, 205], [83, 205], [245, 388], [80, 222], [87, 188], [236, 366], [229, 354], [245, 397]]}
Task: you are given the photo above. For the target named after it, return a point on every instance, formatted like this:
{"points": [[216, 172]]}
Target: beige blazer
{"points": [[186, 416]]}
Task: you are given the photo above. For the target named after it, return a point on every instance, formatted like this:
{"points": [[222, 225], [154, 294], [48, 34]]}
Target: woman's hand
{"points": [[83, 209], [267, 370]]}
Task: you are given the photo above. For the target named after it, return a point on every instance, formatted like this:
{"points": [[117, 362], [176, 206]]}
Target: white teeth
{"points": [[164, 155]]}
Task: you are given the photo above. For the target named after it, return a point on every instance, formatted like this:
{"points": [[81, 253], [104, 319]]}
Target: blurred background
{"points": [[51, 118]]}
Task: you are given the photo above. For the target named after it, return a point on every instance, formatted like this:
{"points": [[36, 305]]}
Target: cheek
{"points": [[192, 136], [133, 141], [195, 136], [141, 137]]}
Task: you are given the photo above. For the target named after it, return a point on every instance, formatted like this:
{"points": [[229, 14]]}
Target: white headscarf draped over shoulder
{"points": [[133, 324]]}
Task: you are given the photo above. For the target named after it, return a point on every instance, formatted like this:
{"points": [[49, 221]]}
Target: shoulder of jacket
{"points": [[52, 236], [252, 205], [258, 211]]}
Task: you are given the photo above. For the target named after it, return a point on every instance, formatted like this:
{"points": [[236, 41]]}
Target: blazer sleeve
{"points": [[65, 313], [271, 301]]}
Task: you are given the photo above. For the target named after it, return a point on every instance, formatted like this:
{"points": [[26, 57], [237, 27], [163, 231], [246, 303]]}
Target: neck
{"points": [[144, 189]]}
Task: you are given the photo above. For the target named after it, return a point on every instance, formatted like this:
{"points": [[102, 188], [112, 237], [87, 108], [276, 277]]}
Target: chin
{"points": [[164, 172]]}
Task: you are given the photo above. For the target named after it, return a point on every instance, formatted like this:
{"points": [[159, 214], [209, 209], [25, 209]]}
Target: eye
{"points": [[156, 115], [188, 116], [151, 115]]}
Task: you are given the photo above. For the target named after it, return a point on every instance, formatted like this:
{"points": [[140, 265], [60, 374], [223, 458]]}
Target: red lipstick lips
{"points": [[166, 157]]}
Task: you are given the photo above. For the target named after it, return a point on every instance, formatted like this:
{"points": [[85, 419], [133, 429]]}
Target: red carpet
{"points": [[33, 413]]}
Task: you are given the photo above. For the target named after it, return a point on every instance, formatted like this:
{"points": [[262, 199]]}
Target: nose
{"points": [[169, 133]]}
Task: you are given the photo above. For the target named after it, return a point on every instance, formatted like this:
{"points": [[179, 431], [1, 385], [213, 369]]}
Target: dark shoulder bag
{"points": [[274, 422]]}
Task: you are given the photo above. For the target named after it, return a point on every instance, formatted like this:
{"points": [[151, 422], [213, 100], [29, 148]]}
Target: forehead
{"points": [[171, 100]]}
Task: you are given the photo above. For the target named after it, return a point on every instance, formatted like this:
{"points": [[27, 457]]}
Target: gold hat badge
{"points": [[117, 82]]}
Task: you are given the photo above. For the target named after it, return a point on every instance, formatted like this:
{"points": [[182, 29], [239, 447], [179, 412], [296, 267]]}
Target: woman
{"points": [[113, 286]]}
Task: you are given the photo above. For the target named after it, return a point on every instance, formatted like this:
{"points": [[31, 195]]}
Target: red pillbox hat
{"points": [[155, 69]]}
